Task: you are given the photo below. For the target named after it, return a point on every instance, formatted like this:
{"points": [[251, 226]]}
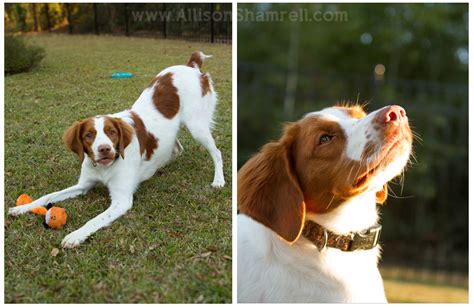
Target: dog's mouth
{"points": [[380, 162], [104, 161]]}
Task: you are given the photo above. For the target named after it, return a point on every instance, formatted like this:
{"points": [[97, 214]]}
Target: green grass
{"points": [[413, 285], [174, 245]]}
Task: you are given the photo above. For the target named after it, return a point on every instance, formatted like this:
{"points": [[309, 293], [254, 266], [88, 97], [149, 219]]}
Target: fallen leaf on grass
{"points": [[200, 299], [202, 255], [99, 286], [54, 252], [132, 249], [137, 297], [175, 234], [227, 257], [206, 254]]}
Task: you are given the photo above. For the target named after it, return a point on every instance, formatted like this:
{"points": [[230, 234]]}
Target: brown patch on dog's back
{"points": [[148, 142], [195, 60], [205, 85], [153, 81], [165, 96]]}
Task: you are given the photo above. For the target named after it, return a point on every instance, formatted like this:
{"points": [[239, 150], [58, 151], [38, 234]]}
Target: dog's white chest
{"points": [[270, 270]]}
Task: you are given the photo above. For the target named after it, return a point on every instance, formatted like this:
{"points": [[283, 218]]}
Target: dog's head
{"points": [[101, 138], [321, 161]]}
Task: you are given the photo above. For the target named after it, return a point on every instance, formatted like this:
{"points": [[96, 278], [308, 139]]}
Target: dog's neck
{"points": [[354, 215]]}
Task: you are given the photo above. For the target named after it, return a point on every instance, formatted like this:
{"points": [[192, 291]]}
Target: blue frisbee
{"points": [[122, 75]]}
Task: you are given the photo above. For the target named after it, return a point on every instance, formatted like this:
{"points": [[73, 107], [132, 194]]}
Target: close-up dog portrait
{"points": [[352, 153], [315, 189], [118, 153]]}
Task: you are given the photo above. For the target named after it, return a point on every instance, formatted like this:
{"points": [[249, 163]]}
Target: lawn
{"points": [[412, 285], [400, 291], [174, 245]]}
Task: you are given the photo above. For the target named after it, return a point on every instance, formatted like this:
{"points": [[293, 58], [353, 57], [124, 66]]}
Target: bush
{"points": [[20, 57]]}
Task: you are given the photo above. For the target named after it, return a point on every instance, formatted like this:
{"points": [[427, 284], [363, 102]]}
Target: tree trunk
{"points": [[126, 19], [96, 24], [164, 20], [212, 23], [48, 21], [35, 18], [68, 14]]}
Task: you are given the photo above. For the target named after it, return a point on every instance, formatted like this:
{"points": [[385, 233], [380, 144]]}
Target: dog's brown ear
{"points": [[268, 190], [381, 195], [72, 139], [125, 134]]}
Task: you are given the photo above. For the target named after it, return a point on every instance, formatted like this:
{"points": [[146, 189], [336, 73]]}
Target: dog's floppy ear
{"points": [[268, 190], [72, 139], [125, 134], [381, 195]]}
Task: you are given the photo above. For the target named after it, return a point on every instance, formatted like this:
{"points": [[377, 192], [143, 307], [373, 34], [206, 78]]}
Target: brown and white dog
{"points": [[308, 223], [123, 149]]}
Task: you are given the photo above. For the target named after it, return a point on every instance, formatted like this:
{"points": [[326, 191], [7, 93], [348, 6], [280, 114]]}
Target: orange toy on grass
{"points": [[55, 217]]}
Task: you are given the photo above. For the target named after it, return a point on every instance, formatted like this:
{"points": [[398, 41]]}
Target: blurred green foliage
{"points": [[19, 56], [421, 55]]}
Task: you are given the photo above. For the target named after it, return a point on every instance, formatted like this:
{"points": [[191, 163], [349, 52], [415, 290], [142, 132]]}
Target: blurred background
{"points": [[204, 22], [414, 55]]}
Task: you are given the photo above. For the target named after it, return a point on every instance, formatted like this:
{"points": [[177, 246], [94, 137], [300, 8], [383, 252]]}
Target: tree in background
{"points": [[118, 18]]}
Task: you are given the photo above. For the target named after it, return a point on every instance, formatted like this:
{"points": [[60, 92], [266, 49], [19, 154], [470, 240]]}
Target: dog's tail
{"points": [[197, 58]]}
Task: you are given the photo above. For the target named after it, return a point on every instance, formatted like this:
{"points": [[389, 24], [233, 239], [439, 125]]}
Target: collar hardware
{"points": [[366, 239], [322, 238]]}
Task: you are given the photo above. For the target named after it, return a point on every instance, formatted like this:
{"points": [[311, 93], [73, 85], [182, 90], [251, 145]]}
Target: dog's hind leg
{"points": [[202, 134]]}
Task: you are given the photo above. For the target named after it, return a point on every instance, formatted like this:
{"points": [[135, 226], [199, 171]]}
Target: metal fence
{"points": [[427, 226], [204, 22]]}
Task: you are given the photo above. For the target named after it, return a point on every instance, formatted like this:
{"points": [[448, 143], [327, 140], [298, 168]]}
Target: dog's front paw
{"points": [[73, 239], [17, 210], [218, 183]]}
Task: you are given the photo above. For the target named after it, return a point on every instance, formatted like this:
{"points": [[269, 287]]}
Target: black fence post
{"points": [[48, 21], [96, 24], [68, 14], [212, 22], [164, 20], [126, 19]]}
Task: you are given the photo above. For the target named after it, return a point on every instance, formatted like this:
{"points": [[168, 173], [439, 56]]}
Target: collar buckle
{"points": [[366, 239], [325, 243]]}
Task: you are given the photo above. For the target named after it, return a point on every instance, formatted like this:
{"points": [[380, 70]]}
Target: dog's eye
{"points": [[325, 139], [89, 135], [112, 132]]}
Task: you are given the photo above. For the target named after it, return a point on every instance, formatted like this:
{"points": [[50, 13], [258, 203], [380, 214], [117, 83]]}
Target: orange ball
{"points": [[23, 199]]}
